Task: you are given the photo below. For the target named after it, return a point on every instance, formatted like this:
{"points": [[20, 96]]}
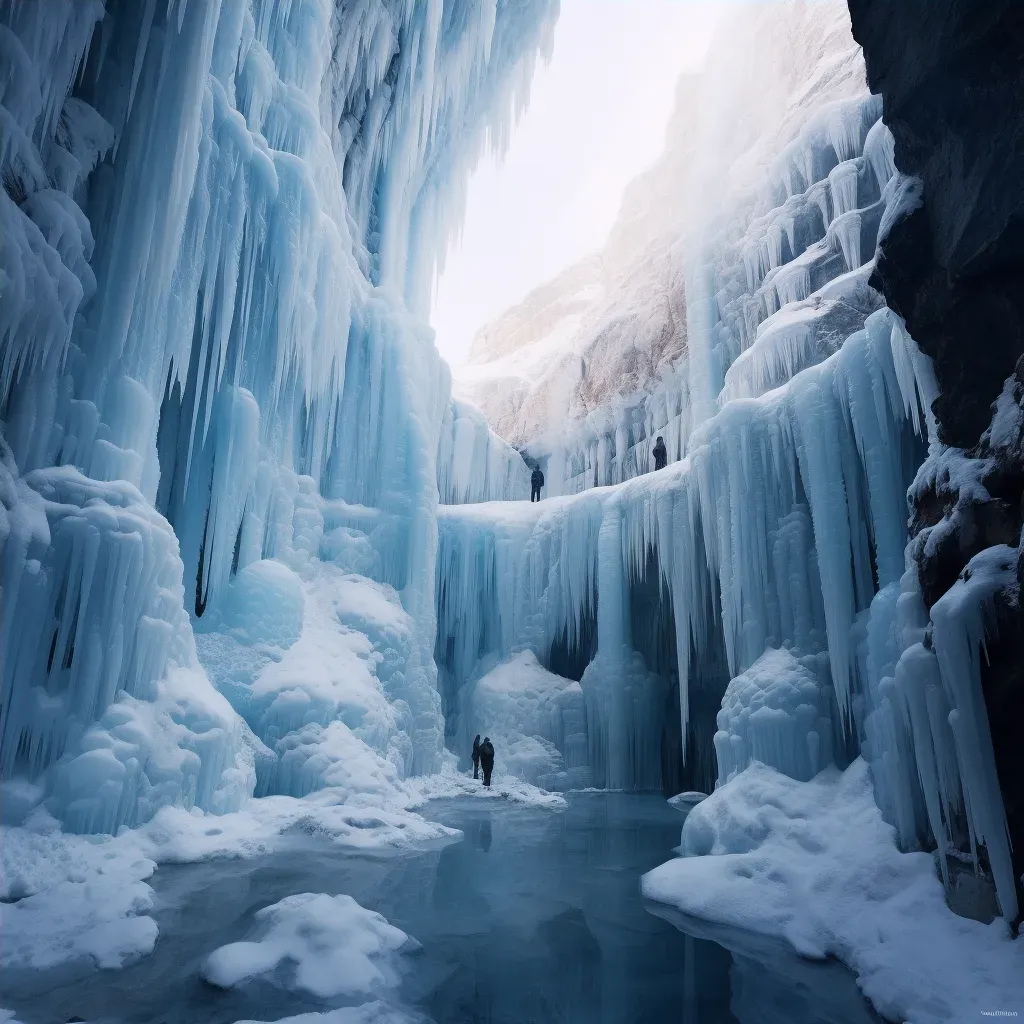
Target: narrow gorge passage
{"points": [[634, 386]]}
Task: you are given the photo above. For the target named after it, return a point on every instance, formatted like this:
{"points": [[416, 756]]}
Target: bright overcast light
{"points": [[596, 119]]}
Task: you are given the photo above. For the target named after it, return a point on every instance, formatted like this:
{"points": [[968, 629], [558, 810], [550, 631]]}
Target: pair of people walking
{"points": [[483, 757]]}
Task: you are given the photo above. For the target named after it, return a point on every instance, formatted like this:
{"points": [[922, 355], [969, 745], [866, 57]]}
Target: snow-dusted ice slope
{"points": [[218, 396]]}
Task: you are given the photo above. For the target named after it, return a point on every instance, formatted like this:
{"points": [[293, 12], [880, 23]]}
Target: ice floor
{"points": [[533, 916]]}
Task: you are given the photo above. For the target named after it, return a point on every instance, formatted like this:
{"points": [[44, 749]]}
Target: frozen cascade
{"points": [[218, 231], [777, 712], [226, 429], [805, 234], [105, 683], [771, 486]]}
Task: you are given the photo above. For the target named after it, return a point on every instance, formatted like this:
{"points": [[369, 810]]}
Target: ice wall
{"points": [[218, 225], [811, 473], [474, 464], [721, 551]]}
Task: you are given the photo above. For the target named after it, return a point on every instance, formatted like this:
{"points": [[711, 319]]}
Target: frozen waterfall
{"points": [[220, 402]]}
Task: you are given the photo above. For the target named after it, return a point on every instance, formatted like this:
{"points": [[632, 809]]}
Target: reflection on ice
{"points": [[770, 983]]}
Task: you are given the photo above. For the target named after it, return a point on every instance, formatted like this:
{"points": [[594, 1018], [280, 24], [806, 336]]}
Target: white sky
{"points": [[596, 118]]}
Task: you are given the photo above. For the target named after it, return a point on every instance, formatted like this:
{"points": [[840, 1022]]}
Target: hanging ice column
{"points": [[219, 345]]}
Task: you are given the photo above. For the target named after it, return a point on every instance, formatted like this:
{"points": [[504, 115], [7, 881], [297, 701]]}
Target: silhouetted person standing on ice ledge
{"points": [[660, 454], [487, 759], [476, 757], [536, 483]]}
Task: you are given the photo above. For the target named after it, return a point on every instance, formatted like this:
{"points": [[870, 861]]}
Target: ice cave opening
{"points": [[269, 564]]}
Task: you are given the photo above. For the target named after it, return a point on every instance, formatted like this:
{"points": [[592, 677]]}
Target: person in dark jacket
{"points": [[476, 757], [487, 759], [536, 483], [660, 454]]}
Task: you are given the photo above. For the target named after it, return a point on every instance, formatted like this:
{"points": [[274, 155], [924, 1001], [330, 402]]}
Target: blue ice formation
{"points": [[474, 464], [219, 226], [226, 429]]}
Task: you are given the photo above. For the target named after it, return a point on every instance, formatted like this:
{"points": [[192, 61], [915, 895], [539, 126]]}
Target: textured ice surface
{"points": [[536, 720], [450, 783], [73, 899], [315, 667], [779, 712], [101, 684], [376, 1012], [474, 464], [787, 510], [814, 865]]}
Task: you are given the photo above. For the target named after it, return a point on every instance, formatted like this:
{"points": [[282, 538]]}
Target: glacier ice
{"points": [[474, 464], [782, 526], [536, 719], [770, 488], [777, 712]]}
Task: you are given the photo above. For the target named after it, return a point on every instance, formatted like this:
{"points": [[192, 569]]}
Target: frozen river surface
{"points": [[534, 916]]}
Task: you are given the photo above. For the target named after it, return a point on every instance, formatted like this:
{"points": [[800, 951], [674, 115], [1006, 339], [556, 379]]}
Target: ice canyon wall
{"points": [[218, 224], [953, 267]]}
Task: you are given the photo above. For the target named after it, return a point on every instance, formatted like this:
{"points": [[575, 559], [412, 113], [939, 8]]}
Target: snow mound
{"points": [[686, 802], [332, 945], [361, 822], [317, 668], [536, 719], [263, 604], [814, 864], [67, 899], [778, 712]]}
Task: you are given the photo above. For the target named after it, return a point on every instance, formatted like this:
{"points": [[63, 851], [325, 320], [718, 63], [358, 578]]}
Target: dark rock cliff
{"points": [[951, 74]]}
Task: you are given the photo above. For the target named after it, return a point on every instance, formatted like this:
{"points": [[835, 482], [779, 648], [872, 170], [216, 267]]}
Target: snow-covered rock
{"points": [[813, 864]]}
